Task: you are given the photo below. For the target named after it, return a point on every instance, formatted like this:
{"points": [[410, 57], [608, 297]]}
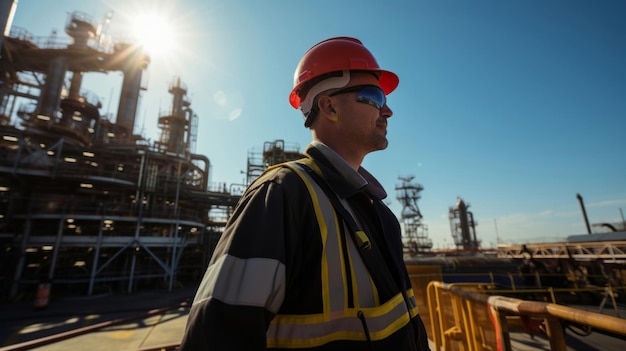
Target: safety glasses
{"points": [[366, 94]]}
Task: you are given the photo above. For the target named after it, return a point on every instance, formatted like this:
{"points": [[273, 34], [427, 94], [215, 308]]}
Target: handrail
{"points": [[507, 285], [461, 315]]}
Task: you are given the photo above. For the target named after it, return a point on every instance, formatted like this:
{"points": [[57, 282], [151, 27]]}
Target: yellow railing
{"points": [[462, 318]]}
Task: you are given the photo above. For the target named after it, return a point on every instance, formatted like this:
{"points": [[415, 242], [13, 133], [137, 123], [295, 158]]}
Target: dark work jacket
{"points": [[266, 267]]}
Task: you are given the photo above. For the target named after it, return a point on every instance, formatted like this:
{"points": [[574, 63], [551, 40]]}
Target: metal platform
{"points": [[608, 251]]}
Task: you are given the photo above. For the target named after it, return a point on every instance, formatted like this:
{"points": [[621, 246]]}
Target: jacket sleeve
{"points": [[244, 285]]}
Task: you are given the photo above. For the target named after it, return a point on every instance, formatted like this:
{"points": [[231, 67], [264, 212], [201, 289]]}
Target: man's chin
{"points": [[382, 145]]}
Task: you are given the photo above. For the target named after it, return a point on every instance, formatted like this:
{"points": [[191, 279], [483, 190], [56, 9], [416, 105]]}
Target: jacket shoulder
{"points": [[280, 174]]}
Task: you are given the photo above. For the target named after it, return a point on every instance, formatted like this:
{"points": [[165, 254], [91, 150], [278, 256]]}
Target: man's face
{"points": [[363, 126]]}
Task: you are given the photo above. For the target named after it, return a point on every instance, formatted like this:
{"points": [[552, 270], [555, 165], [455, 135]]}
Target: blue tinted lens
{"points": [[367, 94], [372, 95]]}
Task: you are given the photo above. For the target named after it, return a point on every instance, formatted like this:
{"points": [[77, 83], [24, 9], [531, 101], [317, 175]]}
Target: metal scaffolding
{"points": [[415, 233], [85, 202]]}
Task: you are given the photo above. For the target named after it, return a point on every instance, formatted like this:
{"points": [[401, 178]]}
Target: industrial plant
{"points": [[85, 201], [89, 204]]}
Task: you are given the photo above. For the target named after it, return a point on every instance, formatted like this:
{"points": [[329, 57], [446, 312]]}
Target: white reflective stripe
{"points": [[337, 297], [258, 282], [363, 284], [412, 302], [334, 296], [314, 330], [337, 321], [382, 322], [364, 289]]}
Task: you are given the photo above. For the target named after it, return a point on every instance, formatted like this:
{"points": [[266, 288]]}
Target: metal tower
{"points": [[463, 227], [415, 234]]}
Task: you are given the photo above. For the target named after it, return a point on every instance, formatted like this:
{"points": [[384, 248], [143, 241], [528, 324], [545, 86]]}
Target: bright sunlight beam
{"points": [[155, 32], [165, 28]]}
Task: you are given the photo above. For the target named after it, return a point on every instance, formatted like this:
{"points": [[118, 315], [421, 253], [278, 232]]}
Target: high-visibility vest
{"points": [[367, 319]]}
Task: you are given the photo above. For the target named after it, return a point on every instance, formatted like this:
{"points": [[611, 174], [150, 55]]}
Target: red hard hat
{"points": [[338, 54]]}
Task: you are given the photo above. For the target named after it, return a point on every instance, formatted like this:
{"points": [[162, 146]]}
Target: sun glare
{"points": [[164, 28], [155, 32]]}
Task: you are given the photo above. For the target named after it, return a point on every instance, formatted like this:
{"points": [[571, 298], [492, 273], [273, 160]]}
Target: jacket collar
{"points": [[342, 178]]}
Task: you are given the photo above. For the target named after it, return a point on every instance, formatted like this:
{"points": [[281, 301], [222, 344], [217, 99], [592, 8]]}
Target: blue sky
{"points": [[514, 106]]}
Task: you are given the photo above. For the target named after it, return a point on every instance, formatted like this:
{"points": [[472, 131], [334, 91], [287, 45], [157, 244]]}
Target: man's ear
{"points": [[325, 106]]}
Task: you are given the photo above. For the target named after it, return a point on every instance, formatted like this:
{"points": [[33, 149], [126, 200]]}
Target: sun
{"points": [[155, 32], [164, 29]]}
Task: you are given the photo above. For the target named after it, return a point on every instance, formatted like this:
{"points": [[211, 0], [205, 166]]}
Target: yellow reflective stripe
{"points": [[364, 291], [362, 283], [319, 214], [337, 321], [292, 331], [367, 293], [385, 320], [411, 299], [337, 234], [312, 164]]}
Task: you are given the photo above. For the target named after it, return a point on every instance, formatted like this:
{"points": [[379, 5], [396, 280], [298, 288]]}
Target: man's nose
{"points": [[385, 111]]}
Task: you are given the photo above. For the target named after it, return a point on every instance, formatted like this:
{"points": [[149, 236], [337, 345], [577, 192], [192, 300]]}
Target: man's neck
{"points": [[349, 155]]}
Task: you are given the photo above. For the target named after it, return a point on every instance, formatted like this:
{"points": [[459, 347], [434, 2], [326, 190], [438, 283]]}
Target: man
{"points": [[311, 258]]}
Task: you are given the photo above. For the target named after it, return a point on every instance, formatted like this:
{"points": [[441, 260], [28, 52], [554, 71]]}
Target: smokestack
{"points": [[7, 11], [582, 207], [131, 86]]}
